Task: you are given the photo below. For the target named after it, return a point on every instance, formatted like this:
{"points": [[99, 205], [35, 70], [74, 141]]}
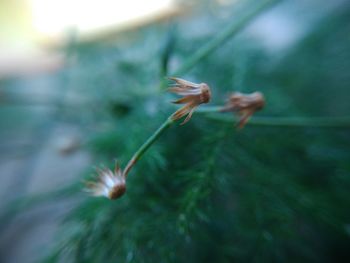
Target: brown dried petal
{"points": [[184, 83], [186, 99], [182, 111], [245, 105], [194, 95]]}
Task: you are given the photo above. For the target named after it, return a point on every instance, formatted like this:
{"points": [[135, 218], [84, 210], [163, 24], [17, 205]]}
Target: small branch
{"points": [[321, 122], [221, 38], [147, 144], [209, 109], [224, 35], [204, 51]]}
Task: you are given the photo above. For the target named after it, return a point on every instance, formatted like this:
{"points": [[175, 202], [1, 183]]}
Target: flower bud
{"points": [[109, 184], [245, 105], [193, 95]]}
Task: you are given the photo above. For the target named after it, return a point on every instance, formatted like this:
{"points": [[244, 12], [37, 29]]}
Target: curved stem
{"points": [[147, 144]]}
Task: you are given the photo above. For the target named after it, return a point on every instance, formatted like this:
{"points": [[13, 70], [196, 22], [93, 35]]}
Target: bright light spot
{"points": [[54, 17]]}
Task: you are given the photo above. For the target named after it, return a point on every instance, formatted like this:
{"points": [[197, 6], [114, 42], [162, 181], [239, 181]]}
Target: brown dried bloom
{"points": [[110, 184], [245, 105], [194, 95]]}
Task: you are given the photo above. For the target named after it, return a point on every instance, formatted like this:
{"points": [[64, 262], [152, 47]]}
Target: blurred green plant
{"points": [[276, 191]]}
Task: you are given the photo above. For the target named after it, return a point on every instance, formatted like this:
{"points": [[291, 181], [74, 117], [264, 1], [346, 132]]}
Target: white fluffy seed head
{"points": [[110, 184]]}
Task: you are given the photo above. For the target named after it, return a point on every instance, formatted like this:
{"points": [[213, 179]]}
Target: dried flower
{"points": [[194, 95], [245, 105], [110, 184]]}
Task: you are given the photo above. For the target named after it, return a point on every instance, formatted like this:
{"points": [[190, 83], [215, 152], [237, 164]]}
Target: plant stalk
{"points": [[147, 144], [232, 29], [321, 122]]}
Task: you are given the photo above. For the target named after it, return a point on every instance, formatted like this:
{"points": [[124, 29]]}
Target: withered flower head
{"points": [[109, 184], [245, 105], [193, 95]]}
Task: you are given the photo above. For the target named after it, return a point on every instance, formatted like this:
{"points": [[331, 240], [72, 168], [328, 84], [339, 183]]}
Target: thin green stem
{"points": [[147, 144], [209, 109], [320, 122], [204, 51], [335, 122], [238, 24]]}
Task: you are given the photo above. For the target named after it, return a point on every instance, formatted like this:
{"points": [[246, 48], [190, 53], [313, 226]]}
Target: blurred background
{"points": [[82, 84]]}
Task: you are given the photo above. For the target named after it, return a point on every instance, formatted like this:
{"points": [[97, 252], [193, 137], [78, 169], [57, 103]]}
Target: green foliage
{"points": [[206, 192]]}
